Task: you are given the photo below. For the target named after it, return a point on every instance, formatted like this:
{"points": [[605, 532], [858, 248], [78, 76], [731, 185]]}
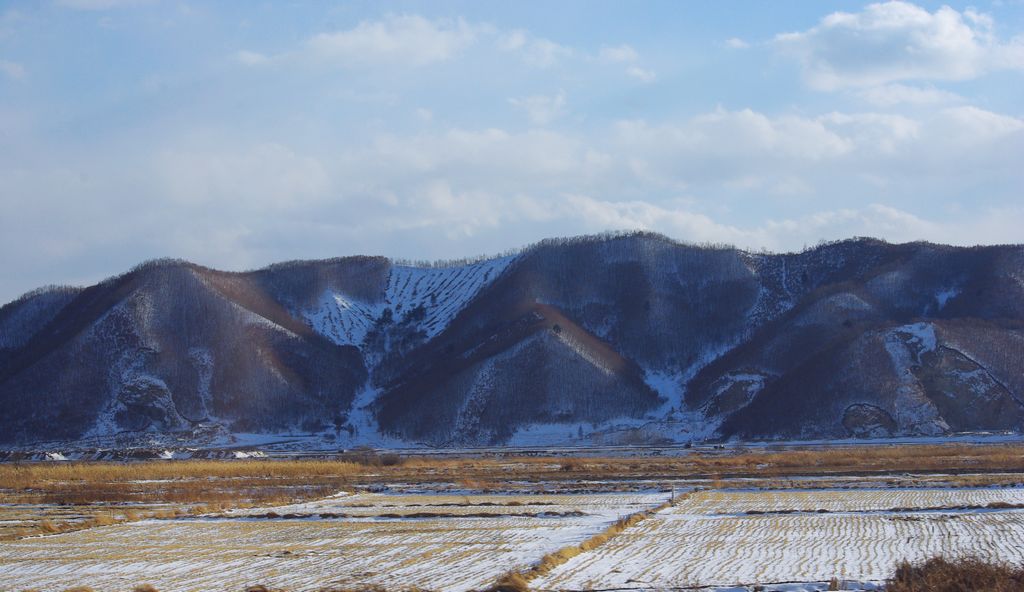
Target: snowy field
{"points": [[789, 539], [709, 540], [448, 551]]}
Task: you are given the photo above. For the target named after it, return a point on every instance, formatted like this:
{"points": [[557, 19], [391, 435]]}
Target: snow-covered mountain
{"points": [[629, 338]]}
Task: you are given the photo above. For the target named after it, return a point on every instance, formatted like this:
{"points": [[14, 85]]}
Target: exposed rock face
{"points": [[575, 340]]}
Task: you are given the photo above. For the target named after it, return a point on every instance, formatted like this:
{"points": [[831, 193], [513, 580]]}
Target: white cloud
{"points": [[890, 95], [598, 215], [618, 54], [980, 225], [894, 41], [100, 4], [397, 39], [641, 74], [541, 109], [455, 191], [536, 51], [12, 69], [625, 54], [251, 58], [424, 115], [743, 154], [736, 43], [743, 137], [973, 126], [268, 176]]}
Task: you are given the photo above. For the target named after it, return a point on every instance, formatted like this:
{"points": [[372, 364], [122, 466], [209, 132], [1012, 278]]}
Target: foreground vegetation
{"points": [[164, 489], [353, 468], [852, 517], [937, 574], [963, 575]]}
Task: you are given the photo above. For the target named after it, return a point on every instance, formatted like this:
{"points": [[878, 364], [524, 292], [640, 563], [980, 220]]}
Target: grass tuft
{"points": [[48, 526], [511, 582], [939, 574]]}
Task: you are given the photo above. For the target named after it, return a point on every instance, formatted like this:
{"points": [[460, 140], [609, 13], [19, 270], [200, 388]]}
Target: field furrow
{"points": [[446, 553], [708, 539]]}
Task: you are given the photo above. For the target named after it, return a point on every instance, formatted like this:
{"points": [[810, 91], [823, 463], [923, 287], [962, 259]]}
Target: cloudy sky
{"points": [[237, 134]]}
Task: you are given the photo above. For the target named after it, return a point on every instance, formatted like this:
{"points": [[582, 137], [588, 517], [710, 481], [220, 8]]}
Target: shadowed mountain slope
{"points": [[618, 338]]}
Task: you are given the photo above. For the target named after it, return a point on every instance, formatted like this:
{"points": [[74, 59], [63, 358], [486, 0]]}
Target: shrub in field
{"points": [[48, 526], [102, 519], [144, 588], [962, 575], [511, 582]]}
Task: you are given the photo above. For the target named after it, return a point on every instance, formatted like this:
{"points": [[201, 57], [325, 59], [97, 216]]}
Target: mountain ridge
{"points": [[622, 337]]}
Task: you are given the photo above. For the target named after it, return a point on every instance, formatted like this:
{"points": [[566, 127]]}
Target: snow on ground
{"points": [[843, 500], [428, 297], [441, 291], [944, 296], [444, 553], [602, 507], [343, 320], [915, 412], [366, 431], [555, 434], [706, 541]]}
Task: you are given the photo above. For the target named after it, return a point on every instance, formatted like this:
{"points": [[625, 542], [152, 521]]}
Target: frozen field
{"points": [[709, 540], [446, 550], [716, 538], [846, 500]]}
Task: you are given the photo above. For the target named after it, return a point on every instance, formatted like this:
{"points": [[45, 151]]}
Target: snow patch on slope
{"points": [[915, 413], [441, 292], [583, 352], [427, 297], [945, 295], [365, 431], [343, 320], [919, 336], [202, 361]]}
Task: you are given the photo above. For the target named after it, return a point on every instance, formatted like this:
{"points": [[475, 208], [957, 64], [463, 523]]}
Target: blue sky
{"points": [[237, 134]]}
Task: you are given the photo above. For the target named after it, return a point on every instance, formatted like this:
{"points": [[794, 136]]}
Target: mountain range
{"points": [[627, 338]]}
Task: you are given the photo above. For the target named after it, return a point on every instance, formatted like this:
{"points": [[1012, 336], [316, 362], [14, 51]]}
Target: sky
{"points": [[238, 134]]}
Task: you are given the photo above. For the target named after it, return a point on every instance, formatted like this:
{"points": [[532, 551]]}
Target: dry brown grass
{"points": [[961, 575], [48, 526], [201, 486], [103, 519], [520, 581], [31, 475], [365, 467], [511, 582]]}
